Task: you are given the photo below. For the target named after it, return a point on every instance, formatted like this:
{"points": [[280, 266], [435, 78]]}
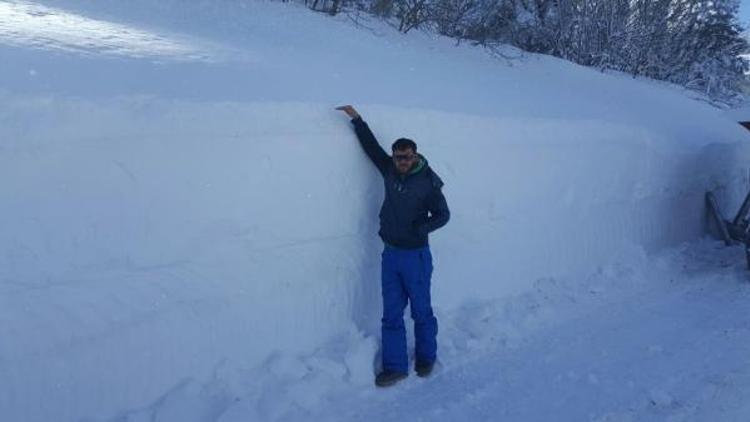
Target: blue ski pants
{"points": [[405, 277]]}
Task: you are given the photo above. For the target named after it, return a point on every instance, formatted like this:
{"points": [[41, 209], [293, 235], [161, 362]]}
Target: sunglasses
{"points": [[403, 157]]}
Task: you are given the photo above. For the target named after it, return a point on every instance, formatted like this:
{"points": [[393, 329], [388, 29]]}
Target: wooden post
{"points": [[713, 209]]}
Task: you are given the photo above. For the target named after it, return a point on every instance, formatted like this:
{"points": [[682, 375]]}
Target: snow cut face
{"points": [[27, 24]]}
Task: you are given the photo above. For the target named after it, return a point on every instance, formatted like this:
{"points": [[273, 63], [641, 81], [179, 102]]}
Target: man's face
{"points": [[404, 159]]}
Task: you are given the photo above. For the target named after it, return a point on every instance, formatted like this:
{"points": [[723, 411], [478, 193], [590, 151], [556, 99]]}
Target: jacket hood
{"points": [[421, 164]]}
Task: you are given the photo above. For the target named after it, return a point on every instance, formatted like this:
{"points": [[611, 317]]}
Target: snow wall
{"points": [[144, 242]]}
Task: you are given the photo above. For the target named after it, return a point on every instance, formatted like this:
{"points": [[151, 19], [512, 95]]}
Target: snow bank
{"points": [[165, 221], [175, 236]]}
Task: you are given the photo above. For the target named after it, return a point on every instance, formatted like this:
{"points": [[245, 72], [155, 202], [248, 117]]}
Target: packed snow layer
{"points": [[167, 222], [175, 236]]}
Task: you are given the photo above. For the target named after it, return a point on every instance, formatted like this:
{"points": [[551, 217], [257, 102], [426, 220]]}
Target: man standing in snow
{"points": [[413, 207]]}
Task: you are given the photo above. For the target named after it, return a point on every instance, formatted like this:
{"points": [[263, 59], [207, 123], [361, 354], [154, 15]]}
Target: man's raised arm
{"points": [[371, 146]]}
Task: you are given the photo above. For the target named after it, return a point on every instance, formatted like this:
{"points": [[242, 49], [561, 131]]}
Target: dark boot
{"points": [[388, 377], [424, 369]]}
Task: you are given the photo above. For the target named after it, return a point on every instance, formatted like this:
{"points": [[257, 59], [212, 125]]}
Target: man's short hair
{"points": [[402, 144]]}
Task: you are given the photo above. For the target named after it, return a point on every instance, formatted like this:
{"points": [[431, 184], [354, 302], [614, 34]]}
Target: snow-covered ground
{"points": [[663, 338], [189, 227], [37, 26]]}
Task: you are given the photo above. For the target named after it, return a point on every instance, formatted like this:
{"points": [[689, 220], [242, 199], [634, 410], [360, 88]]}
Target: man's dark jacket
{"points": [[404, 219]]}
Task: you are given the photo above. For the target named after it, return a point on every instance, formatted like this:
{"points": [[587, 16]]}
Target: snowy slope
{"points": [[184, 208]]}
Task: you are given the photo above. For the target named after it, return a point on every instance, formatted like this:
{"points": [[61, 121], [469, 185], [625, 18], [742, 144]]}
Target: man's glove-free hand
{"points": [[349, 110]]}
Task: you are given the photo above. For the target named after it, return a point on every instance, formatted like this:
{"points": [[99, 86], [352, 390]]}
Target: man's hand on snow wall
{"points": [[349, 110]]}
